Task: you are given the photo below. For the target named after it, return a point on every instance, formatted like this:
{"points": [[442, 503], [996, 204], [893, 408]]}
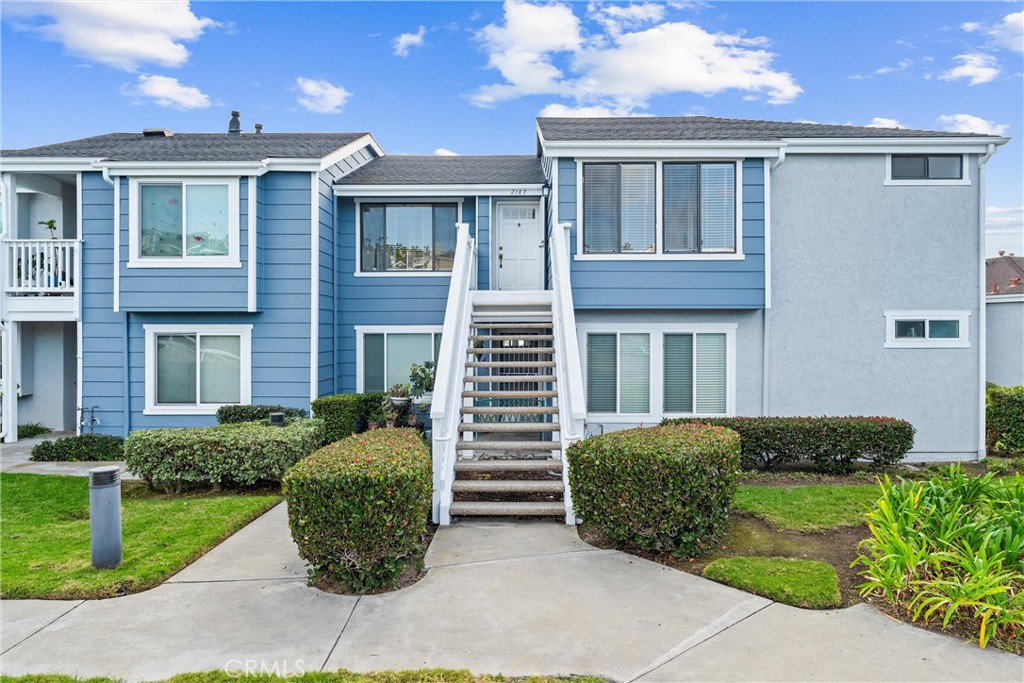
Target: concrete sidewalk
{"points": [[502, 597], [14, 458]]}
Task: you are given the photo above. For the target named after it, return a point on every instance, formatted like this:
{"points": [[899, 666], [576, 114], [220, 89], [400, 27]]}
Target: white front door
{"points": [[520, 251]]}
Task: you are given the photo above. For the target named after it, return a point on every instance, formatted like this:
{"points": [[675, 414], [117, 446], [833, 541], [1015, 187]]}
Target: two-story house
{"points": [[629, 270]]}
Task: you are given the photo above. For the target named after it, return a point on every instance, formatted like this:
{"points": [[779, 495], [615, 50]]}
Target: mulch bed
{"points": [[413, 573]]}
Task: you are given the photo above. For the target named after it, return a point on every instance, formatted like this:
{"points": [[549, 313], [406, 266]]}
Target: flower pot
{"points": [[373, 425], [390, 424], [400, 400]]}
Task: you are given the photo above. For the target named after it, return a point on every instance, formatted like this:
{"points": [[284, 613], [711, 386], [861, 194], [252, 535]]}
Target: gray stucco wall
{"points": [[845, 248], [1004, 356], [748, 352], [53, 370]]}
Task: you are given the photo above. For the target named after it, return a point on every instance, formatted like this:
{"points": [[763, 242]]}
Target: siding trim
{"points": [[251, 235], [767, 234], [79, 324], [314, 286], [117, 244]]}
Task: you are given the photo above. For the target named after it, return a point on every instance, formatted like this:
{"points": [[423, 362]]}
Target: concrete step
{"points": [[492, 466], [512, 350], [510, 364], [506, 325], [507, 486], [508, 379], [510, 410], [510, 394], [508, 427], [467, 509], [537, 446], [513, 337]]}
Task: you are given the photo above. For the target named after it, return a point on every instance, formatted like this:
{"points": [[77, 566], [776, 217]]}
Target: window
{"points": [[386, 355], [666, 372], [926, 169], [186, 223], [198, 369], [923, 329], [407, 237], [699, 208], [618, 208]]}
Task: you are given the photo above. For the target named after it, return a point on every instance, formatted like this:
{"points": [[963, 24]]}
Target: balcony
{"points": [[41, 279]]}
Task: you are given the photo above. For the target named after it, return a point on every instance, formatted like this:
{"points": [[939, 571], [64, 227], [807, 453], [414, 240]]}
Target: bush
{"points": [[358, 508], [951, 549], [233, 414], [82, 448], [664, 488], [30, 429], [347, 414], [1004, 419], [226, 455], [831, 443]]}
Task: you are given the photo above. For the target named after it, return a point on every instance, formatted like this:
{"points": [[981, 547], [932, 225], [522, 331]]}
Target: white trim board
{"points": [[368, 192], [251, 236], [314, 291]]}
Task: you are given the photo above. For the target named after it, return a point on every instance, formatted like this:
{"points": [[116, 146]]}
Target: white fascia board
{"points": [[351, 148], [139, 169], [528, 190], [1004, 298], [964, 145], [664, 149], [48, 164]]}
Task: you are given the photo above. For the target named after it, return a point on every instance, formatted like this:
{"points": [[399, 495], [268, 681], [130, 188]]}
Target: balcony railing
{"points": [[41, 267]]}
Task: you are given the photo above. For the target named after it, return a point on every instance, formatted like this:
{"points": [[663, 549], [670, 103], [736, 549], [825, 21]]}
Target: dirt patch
{"points": [[798, 474], [748, 535], [412, 574]]}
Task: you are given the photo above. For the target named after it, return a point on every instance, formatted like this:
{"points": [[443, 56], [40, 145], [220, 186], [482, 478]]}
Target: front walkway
{"points": [[512, 598], [14, 458]]}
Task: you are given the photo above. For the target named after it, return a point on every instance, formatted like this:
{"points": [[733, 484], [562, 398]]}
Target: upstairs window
{"points": [[927, 167], [187, 223], [924, 329], [618, 208], [407, 238], [699, 208]]}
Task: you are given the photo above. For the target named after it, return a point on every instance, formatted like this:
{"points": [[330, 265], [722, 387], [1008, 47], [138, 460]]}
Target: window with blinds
{"points": [[618, 208], [699, 207], [388, 356]]}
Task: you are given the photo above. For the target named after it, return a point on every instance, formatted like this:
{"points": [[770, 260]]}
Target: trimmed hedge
{"points": [[831, 443], [1004, 420], [81, 448], [358, 508], [233, 414], [665, 489], [347, 414], [229, 455]]}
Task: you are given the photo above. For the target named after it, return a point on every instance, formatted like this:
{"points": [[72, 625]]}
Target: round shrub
{"points": [[664, 488], [81, 448], [340, 413], [358, 507]]}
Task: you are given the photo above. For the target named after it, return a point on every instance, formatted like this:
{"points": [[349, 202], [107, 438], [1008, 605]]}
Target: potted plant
{"points": [[50, 225], [391, 411], [421, 379], [398, 394]]}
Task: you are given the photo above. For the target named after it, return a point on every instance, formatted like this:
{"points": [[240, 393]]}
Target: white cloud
{"points": [[406, 41], [1008, 33], [557, 109], [970, 26], [320, 96], [166, 92], [1004, 228], [883, 122], [621, 69], [902, 66], [445, 152], [124, 35], [968, 123], [977, 68]]}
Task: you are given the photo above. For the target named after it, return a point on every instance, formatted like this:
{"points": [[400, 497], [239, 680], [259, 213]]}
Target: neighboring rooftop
{"points": [[193, 146], [1004, 274], [711, 128], [448, 170]]}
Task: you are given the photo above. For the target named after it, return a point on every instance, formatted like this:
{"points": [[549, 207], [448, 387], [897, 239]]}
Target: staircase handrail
{"points": [[447, 397]]}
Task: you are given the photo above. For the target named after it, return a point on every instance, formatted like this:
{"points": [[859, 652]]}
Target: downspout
{"points": [[766, 324], [334, 284], [982, 162], [125, 368]]}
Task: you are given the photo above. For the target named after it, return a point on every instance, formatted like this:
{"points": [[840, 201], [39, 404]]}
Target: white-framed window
{"points": [[195, 369], [649, 372], [927, 169], [663, 210], [183, 223], [384, 354], [926, 329], [406, 238]]}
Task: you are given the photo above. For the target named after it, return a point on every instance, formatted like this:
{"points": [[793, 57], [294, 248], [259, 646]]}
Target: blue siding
{"points": [[187, 289], [481, 227], [694, 284], [326, 375]]}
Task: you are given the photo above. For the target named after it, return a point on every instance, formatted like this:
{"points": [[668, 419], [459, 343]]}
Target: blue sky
{"points": [[469, 77]]}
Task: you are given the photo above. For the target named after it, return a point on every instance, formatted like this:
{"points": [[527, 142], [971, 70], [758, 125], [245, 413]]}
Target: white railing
{"points": [[571, 402], [451, 364], [41, 266]]}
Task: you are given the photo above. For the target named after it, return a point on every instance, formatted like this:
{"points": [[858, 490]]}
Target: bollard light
{"points": [[105, 516]]}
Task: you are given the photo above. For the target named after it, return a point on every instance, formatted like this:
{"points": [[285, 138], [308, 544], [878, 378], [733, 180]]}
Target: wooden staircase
{"points": [[509, 460]]}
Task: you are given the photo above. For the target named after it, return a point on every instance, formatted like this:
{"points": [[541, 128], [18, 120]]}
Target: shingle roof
{"points": [[711, 128], [448, 170], [194, 147], [1000, 271]]}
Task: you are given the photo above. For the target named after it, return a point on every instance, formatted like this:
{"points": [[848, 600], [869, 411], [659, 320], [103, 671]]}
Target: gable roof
{"points": [[193, 147], [448, 170], [636, 128], [1000, 271]]}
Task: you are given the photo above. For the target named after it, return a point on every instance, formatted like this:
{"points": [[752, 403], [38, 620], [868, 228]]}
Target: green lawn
{"points": [[807, 508], [44, 547], [340, 676], [801, 583]]}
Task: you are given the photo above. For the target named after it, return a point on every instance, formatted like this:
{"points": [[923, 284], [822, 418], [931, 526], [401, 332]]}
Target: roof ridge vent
{"points": [[156, 133]]}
